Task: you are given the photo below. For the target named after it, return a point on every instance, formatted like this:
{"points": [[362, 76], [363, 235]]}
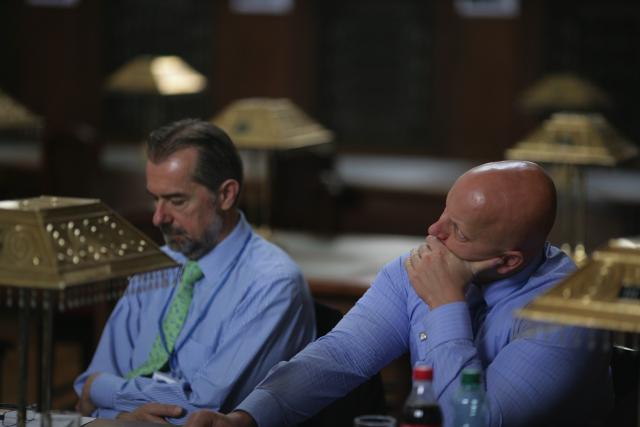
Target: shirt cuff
{"points": [[264, 409], [105, 413], [104, 388], [448, 322]]}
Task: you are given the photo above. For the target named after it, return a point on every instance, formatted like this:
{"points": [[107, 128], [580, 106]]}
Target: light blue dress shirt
{"points": [[251, 310], [535, 374]]}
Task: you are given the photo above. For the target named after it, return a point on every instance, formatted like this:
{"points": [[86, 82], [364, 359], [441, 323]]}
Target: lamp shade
{"points": [[15, 116], [604, 293], [49, 246], [563, 91], [156, 75], [270, 124], [54, 243], [574, 138]]}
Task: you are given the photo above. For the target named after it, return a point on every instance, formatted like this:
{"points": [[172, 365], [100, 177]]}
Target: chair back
{"points": [[625, 369]]}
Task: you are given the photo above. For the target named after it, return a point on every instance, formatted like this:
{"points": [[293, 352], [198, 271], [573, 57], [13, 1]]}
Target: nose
{"points": [[440, 228], [160, 214]]}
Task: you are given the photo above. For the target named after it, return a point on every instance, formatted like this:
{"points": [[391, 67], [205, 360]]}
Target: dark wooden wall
{"points": [[443, 86], [57, 59], [405, 76], [263, 55], [55, 68], [483, 64]]}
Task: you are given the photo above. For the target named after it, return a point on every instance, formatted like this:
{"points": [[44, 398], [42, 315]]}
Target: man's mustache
{"points": [[169, 230]]}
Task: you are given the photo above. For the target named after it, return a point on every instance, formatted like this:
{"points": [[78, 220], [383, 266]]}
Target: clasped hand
{"points": [[438, 276], [152, 412], [215, 419]]}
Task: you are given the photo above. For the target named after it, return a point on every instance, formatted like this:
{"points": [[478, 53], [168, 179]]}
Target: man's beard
{"points": [[178, 239]]}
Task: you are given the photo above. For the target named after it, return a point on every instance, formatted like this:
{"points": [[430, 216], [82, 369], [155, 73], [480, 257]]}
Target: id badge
{"points": [[162, 377]]}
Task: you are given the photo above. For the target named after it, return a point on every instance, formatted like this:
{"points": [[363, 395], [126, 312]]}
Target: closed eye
{"points": [[459, 234], [177, 201]]}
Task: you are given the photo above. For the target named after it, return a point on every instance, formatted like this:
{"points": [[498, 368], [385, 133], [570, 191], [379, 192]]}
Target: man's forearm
{"points": [[216, 419], [242, 419]]}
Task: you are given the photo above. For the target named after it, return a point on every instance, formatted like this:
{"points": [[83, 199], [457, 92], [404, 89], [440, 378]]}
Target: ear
{"points": [[511, 260], [228, 193]]}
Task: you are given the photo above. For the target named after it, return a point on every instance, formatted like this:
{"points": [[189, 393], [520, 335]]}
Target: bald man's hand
{"points": [[438, 276], [152, 412], [215, 419]]}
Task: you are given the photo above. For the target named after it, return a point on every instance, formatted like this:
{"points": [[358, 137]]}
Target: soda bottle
{"points": [[469, 402], [421, 407]]}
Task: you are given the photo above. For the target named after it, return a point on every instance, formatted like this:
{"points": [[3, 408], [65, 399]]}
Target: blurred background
{"points": [[414, 92]]}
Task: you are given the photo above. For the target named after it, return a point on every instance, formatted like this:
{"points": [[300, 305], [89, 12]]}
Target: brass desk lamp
{"points": [[150, 88], [20, 134], [570, 141], [259, 127], [14, 115], [603, 294], [62, 252], [156, 75], [563, 92]]}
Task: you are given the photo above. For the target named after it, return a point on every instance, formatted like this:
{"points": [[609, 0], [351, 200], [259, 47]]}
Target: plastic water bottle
{"points": [[469, 401], [421, 407]]}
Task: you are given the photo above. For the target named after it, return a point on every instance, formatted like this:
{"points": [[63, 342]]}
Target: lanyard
{"points": [[225, 278]]}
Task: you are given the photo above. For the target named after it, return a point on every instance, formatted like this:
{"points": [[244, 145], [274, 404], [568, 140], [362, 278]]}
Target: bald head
{"points": [[515, 199], [501, 209]]}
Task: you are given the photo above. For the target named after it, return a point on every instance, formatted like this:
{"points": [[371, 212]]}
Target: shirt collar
{"points": [[218, 259], [498, 290]]}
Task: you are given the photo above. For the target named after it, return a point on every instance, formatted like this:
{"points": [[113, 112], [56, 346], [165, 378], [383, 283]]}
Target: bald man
{"points": [[450, 302]]}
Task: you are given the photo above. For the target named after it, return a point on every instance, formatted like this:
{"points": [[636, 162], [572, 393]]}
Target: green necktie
{"points": [[172, 324]]}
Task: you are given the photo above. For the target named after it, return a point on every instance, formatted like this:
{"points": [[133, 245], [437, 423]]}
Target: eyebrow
{"points": [[166, 196]]}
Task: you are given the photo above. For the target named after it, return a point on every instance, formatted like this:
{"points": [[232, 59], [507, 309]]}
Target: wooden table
{"points": [[103, 422], [339, 269]]}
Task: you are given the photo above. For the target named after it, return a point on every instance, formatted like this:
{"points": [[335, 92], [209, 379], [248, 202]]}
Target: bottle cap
{"points": [[423, 373], [471, 376]]}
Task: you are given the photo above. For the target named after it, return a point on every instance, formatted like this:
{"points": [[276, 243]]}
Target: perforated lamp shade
{"points": [[603, 294], [60, 252], [54, 243]]}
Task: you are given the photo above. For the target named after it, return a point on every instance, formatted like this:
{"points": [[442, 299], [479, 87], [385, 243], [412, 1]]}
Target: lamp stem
{"points": [[46, 358], [638, 404], [23, 350]]}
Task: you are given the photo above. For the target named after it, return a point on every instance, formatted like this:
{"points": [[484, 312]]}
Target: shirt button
{"points": [[423, 336]]}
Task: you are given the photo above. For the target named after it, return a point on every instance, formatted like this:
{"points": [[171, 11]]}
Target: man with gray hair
{"points": [[239, 304]]}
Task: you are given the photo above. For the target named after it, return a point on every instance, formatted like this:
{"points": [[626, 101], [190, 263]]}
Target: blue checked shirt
{"points": [[534, 374], [251, 310]]}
